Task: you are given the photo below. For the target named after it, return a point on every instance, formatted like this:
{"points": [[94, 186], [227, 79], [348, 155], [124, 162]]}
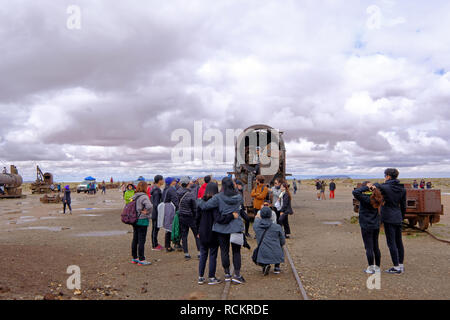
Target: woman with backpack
{"points": [[144, 208], [271, 239], [370, 199], [227, 223], [285, 209], [209, 241]]}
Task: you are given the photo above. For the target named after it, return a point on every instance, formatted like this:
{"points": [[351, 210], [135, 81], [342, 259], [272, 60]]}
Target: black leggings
{"points": [[284, 222], [204, 251], [187, 223], [224, 243], [394, 242], [138, 243], [370, 238], [67, 204], [155, 231]]}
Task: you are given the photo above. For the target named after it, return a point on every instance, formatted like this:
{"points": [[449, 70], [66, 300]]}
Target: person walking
{"points": [[332, 188], [415, 184], [67, 201], [271, 239], [209, 240], [370, 199], [318, 188], [322, 189], [103, 187], [143, 208], [294, 184], [227, 222], [392, 214], [187, 215], [429, 185], [286, 209], [156, 197]]}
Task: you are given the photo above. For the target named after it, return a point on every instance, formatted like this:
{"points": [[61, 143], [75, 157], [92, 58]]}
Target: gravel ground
{"points": [[38, 243]]}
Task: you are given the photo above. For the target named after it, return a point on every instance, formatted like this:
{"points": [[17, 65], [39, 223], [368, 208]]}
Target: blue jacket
{"points": [[270, 250], [394, 208], [368, 215], [227, 205]]}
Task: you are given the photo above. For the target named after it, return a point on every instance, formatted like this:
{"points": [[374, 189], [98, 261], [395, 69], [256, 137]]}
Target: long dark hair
{"points": [[228, 187], [211, 189], [286, 186], [376, 199]]}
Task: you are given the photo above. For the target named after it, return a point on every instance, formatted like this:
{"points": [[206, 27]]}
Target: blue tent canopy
{"points": [[141, 178], [89, 178]]}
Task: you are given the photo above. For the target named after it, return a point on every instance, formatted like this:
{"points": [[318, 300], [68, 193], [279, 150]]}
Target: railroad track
{"points": [[300, 286], [301, 289]]}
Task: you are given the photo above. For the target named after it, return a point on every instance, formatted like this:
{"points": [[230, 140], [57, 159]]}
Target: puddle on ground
{"points": [[333, 223], [102, 233], [90, 215], [49, 218], [55, 229]]}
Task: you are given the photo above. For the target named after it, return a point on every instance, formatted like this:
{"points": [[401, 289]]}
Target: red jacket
{"points": [[201, 191]]}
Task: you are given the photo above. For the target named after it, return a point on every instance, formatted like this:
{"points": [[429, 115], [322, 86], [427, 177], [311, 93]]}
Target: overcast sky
{"points": [[356, 86]]}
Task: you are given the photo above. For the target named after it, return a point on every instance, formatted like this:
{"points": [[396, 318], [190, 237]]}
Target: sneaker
{"points": [[287, 236], [394, 270], [201, 280], [214, 280], [227, 277], [266, 269], [170, 249], [238, 280], [158, 248], [376, 269], [370, 270], [134, 261], [187, 257], [70, 211], [144, 263], [277, 270], [402, 268]]}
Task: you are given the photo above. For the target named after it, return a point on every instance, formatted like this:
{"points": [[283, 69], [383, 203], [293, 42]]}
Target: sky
{"points": [[101, 89]]}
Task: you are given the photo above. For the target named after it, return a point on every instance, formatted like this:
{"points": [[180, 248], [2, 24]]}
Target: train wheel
{"points": [[412, 222], [424, 222]]}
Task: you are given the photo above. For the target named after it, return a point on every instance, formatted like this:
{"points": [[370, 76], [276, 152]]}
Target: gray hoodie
{"points": [[226, 205], [143, 203]]}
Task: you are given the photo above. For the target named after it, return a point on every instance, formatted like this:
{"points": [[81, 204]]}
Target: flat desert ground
{"points": [[38, 243]]}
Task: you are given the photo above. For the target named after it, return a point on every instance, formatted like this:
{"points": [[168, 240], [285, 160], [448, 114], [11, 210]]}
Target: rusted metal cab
{"points": [[259, 150], [423, 206]]}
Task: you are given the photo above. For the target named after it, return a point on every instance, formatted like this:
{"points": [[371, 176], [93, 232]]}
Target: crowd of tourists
{"points": [[216, 217]]}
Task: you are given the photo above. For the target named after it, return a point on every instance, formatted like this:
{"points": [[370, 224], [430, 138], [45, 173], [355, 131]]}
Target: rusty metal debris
{"points": [[11, 183]]}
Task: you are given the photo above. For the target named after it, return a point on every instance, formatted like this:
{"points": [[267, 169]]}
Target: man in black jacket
{"points": [[156, 197], [392, 214], [187, 214]]}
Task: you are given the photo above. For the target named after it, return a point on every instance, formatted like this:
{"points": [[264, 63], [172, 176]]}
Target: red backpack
{"points": [[129, 214]]}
